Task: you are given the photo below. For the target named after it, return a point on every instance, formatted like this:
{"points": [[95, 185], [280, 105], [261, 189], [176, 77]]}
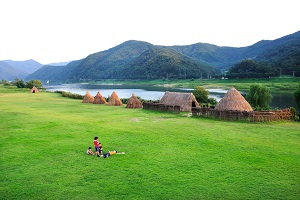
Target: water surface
{"points": [[280, 99]]}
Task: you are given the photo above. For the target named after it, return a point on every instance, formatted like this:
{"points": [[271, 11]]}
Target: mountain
{"points": [[28, 66], [18, 69], [56, 74], [99, 65], [225, 57], [278, 57], [285, 56], [163, 63], [128, 60], [8, 72], [142, 60], [59, 63]]}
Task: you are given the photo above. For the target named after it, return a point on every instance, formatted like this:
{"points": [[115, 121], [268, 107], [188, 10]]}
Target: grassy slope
{"points": [[275, 84], [168, 156]]}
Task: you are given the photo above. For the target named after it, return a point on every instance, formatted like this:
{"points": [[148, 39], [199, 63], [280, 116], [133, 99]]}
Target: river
{"points": [[280, 99]]}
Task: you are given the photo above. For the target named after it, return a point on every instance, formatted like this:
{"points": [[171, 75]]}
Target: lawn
{"points": [[168, 156]]}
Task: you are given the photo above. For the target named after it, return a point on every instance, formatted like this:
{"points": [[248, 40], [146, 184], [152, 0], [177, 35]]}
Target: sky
{"points": [[51, 31]]}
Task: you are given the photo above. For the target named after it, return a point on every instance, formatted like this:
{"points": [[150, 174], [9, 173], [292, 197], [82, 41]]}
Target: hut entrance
{"points": [[193, 104]]}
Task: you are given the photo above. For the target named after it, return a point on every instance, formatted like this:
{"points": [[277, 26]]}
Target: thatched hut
{"points": [[114, 100], [185, 100], [99, 99], [134, 102], [233, 100], [34, 90], [88, 98]]}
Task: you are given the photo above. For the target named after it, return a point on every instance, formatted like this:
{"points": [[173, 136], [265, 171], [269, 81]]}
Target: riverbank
{"points": [[274, 84]]}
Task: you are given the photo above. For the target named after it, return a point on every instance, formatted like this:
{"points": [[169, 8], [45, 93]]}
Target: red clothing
{"points": [[96, 143]]}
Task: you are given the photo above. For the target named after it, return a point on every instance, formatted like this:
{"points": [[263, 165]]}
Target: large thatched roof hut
{"points": [[233, 100], [185, 100], [34, 90], [134, 102], [99, 99], [88, 98], [114, 100]]}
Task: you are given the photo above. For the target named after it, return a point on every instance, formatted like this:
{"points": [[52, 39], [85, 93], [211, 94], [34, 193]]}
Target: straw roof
{"points": [[88, 98], [185, 100], [114, 100], [34, 90], [134, 102], [99, 99], [233, 100]]}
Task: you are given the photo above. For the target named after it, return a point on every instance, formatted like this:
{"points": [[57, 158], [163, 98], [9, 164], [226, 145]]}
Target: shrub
{"points": [[293, 112], [71, 95], [259, 97]]}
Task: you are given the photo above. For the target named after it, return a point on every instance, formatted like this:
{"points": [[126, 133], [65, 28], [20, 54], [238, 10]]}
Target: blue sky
{"points": [[63, 30]]}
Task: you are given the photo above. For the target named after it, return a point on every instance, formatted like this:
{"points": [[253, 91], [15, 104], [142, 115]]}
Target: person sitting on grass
{"points": [[89, 151]]}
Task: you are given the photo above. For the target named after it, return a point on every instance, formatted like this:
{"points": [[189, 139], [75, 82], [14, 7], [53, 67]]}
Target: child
{"points": [[110, 153], [100, 148], [96, 144], [89, 151]]}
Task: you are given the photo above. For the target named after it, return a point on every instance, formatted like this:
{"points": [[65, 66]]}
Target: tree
{"points": [[36, 83], [212, 101], [259, 97], [19, 83], [297, 97], [201, 94]]}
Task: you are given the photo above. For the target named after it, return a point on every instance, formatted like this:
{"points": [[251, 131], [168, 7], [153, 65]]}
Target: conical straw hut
{"points": [[114, 100], [233, 100], [185, 100], [88, 98], [134, 102], [99, 99], [34, 90]]}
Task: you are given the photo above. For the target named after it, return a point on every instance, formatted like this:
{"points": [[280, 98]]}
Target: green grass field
{"points": [[274, 84], [168, 156]]}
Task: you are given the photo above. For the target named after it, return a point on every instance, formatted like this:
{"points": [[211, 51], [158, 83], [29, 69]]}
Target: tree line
{"points": [[260, 69], [19, 83]]}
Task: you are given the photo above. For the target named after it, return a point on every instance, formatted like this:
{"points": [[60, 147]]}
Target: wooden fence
{"points": [[272, 115], [161, 107]]}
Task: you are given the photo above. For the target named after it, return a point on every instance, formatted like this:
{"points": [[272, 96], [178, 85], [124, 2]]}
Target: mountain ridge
{"points": [[130, 56], [211, 58]]}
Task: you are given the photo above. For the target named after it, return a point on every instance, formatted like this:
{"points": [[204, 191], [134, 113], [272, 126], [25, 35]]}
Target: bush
{"points": [[259, 97], [201, 94], [297, 97], [72, 95], [19, 83], [36, 83], [293, 112]]}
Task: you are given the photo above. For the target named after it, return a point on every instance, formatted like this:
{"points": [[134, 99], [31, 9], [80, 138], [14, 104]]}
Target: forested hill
{"points": [[273, 51], [159, 62], [129, 60], [142, 60], [285, 57]]}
